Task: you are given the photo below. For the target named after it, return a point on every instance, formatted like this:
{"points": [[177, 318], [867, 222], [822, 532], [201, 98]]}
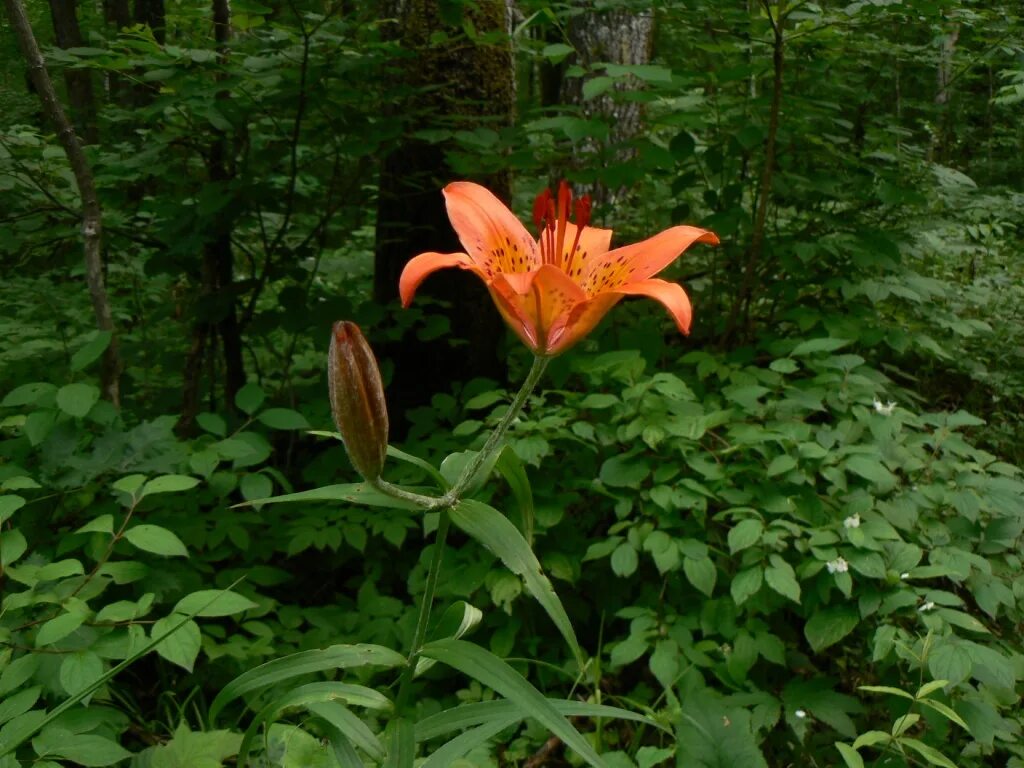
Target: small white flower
{"points": [[800, 713], [853, 521], [839, 565], [926, 607], [905, 575], [883, 408]]}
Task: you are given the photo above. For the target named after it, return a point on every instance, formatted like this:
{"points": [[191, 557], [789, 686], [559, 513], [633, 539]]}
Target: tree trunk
{"points": [[116, 14], [411, 218], [616, 36], [151, 13], [943, 92], [740, 319], [219, 311], [92, 214], [79, 81]]}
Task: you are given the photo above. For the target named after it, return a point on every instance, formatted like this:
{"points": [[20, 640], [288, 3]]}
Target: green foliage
{"points": [[793, 539]]}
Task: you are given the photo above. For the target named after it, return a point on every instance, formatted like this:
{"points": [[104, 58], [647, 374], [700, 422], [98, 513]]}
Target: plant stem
{"points": [[419, 636], [451, 498], [536, 371]]}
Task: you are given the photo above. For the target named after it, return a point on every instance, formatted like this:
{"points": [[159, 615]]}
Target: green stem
{"points": [[536, 371], [420, 635], [451, 498]]}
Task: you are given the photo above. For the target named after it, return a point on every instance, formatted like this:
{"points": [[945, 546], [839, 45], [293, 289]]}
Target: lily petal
{"points": [[594, 243], [491, 234], [420, 267], [671, 295], [537, 305], [641, 260], [583, 318]]}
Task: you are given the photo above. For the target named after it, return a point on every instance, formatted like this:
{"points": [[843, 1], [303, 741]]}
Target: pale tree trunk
{"points": [[68, 34], [92, 214], [615, 36], [478, 88], [943, 94]]}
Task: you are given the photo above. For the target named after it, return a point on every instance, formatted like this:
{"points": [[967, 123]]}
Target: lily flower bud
{"points": [[357, 399]]}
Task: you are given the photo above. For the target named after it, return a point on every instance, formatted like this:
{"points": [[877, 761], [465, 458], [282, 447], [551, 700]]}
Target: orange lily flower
{"points": [[554, 290]]}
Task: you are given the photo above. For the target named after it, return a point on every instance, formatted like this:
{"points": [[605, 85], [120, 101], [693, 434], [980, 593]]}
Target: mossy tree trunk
{"points": [[478, 89]]}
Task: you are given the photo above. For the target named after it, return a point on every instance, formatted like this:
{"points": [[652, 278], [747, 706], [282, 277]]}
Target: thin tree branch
{"points": [[92, 213]]}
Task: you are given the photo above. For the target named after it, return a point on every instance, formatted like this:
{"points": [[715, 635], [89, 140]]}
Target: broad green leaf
{"points": [[850, 755], [155, 539], [488, 669], [701, 572], [249, 398], [870, 738], [18, 704], [781, 577], [872, 469], [91, 350], [12, 546], [495, 532], [746, 584], [283, 418], [58, 628], [28, 394], [814, 346], [83, 749], [209, 603], [744, 534], [9, 504], [830, 625], [304, 663], [79, 670], [168, 484], [77, 399], [182, 645]]}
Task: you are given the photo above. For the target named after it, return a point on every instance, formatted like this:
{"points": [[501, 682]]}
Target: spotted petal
{"points": [[491, 234], [641, 260], [420, 267], [537, 305]]}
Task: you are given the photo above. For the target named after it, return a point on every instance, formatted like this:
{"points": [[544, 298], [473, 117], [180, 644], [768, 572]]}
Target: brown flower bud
{"points": [[357, 399]]}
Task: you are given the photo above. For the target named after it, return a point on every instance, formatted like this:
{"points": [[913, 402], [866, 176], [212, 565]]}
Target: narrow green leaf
{"points": [[401, 744], [885, 689], [465, 742], [351, 493], [304, 663], [488, 669], [928, 688], [930, 754], [347, 723], [416, 461], [513, 470], [946, 712], [495, 532], [478, 713]]}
